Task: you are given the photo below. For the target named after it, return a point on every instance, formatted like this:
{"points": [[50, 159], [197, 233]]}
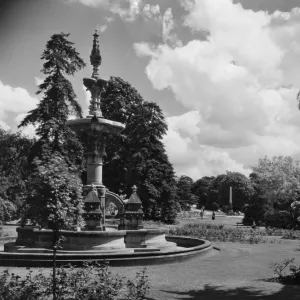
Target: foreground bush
{"points": [[91, 282], [287, 271], [278, 219], [218, 233]]}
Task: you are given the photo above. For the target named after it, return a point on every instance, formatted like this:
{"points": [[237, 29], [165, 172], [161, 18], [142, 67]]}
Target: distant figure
{"points": [[213, 215], [254, 225], [201, 214]]}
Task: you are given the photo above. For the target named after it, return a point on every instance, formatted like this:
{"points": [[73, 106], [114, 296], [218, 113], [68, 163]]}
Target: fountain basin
{"points": [[84, 125], [187, 248]]}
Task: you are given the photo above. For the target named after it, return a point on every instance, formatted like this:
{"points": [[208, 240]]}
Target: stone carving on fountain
{"points": [[93, 213], [134, 214]]}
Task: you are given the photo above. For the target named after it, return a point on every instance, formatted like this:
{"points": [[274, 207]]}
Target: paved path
{"points": [[238, 272]]}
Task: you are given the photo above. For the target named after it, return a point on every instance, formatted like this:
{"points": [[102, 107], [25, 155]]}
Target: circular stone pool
{"points": [[187, 248]]}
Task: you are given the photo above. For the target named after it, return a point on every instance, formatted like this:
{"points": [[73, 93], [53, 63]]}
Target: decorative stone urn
{"points": [[134, 214], [93, 214]]}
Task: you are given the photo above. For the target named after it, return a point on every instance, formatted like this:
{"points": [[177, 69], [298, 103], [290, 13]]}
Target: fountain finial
{"points": [[95, 57]]}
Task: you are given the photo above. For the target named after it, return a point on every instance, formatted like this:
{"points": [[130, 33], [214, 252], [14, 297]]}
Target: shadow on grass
{"points": [[288, 292]]}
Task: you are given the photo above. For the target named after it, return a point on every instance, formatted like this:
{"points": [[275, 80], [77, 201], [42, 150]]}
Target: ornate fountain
{"points": [[130, 243]]}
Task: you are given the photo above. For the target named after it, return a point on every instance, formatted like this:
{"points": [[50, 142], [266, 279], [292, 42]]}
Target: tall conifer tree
{"points": [[54, 185]]}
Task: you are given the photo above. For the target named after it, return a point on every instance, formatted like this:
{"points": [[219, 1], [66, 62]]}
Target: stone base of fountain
{"points": [[33, 247], [31, 238]]}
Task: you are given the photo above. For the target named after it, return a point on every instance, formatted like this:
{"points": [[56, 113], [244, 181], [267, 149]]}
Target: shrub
{"points": [[218, 233], [215, 206], [278, 219], [280, 269], [92, 281]]}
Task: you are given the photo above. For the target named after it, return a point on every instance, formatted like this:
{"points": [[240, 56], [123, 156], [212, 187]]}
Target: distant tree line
{"points": [[270, 196]]}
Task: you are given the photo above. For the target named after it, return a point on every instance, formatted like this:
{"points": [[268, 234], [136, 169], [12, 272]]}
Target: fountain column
{"points": [[93, 131]]}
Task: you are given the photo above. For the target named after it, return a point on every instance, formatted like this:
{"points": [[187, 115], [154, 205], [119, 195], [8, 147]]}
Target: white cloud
{"points": [[196, 161], [92, 3], [29, 130], [151, 12], [15, 100], [4, 126], [168, 25], [102, 28], [240, 85], [186, 123], [38, 80], [128, 10]]}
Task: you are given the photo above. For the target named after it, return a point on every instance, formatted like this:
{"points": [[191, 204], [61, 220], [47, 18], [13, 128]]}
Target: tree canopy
{"points": [[59, 99], [200, 189], [53, 186], [54, 192], [184, 192], [280, 179], [137, 156], [14, 150], [242, 190]]}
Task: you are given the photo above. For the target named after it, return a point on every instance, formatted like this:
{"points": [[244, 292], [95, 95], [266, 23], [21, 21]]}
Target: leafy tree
{"points": [[200, 189], [137, 156], [213, 191], [59, 99], [242, 190], [184, 186], [54, 193], [279, 177], [257, 207], [14, 150], [7, 209], [215, 206]]}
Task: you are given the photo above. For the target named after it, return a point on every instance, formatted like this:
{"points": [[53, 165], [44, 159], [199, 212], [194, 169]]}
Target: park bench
{"points": [[240, 224]]}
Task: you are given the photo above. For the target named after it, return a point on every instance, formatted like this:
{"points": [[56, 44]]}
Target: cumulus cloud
{"points": [[15, 101], [29, 130], [128, 10], [168, 25], [4, 126], [151, 12], [195, 160], [240, 85], [92, 3], [102, 28]]}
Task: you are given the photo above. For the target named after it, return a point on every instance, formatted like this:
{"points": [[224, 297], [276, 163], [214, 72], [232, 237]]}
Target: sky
{"points": [[226, 73]]}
